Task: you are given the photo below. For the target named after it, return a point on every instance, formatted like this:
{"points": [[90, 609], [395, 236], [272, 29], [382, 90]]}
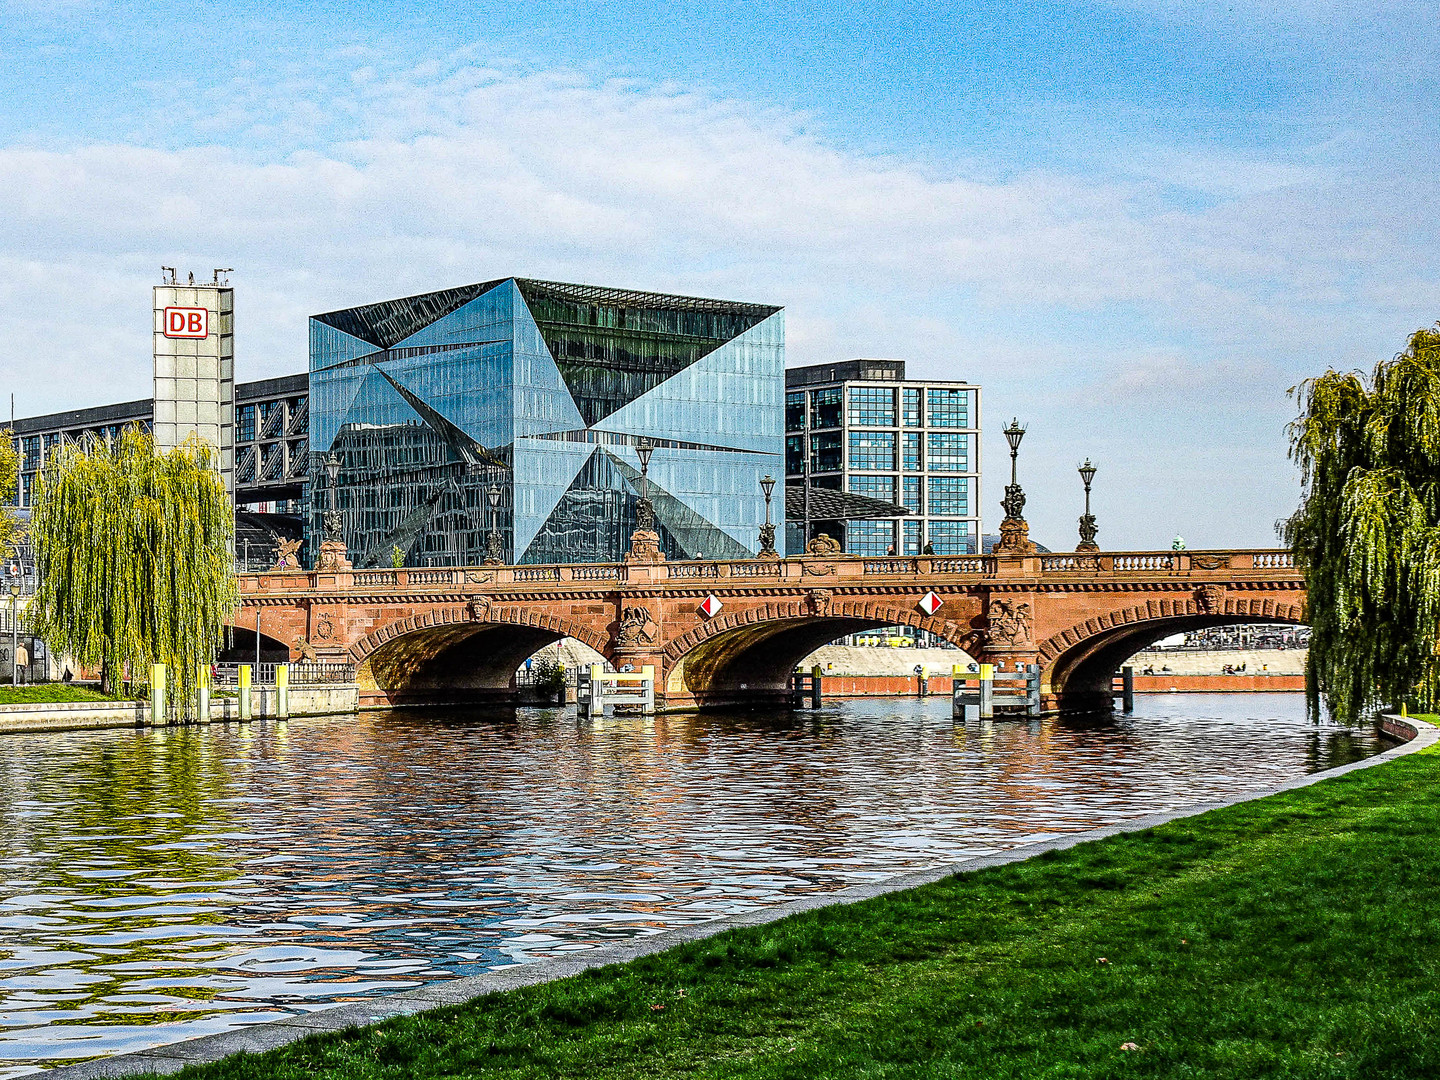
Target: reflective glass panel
{"points": [[795, 410], [872, 450], [872, 406], [911, 404], [911, 532], [870, 537], [949, 452], [876, 487], [794, 455], [948, 408], [825, 451], [949, 495], [952, 538], [825, 407], [912, 500], [911, 455]]}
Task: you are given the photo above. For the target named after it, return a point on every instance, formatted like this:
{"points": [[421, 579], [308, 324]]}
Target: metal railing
{"points": [[302, 673]]}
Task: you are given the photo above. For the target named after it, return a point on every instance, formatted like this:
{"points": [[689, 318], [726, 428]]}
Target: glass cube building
{"points": [[517, 405]]}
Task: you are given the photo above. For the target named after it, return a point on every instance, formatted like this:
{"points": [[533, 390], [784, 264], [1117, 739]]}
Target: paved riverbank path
{"points": [[729, 633]]}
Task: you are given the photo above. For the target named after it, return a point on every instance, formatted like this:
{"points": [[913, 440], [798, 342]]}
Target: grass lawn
{"points": [[48, 692], [1297, 936]]}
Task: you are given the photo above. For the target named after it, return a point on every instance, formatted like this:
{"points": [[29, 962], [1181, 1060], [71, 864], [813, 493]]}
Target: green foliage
{"points": [[1367, 532], [133, 552], [1289, 937], [11, 530], [549, 674], [397, 556]]}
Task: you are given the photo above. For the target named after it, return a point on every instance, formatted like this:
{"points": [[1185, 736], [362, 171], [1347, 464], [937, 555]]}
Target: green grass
{"points": [[40, 693], [1297, 936]]}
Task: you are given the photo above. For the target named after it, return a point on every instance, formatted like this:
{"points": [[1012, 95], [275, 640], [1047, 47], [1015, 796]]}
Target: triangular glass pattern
{"points": [[721, 400], [550, 468], [694, 537], [390, 321], [611, 345]]}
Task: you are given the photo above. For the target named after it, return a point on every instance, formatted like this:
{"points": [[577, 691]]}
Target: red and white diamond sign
{"points": [[710, 606], [930, 603]]}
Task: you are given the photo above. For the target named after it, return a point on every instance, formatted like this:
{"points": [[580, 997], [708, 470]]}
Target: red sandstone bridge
{"points": [[730, 633]]}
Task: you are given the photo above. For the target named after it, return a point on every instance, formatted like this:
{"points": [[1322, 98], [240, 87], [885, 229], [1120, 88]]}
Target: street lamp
{"points": [[332, 515], [1087, 520], [495, 552], [644, 510], [767, 531], [1014, 532]]}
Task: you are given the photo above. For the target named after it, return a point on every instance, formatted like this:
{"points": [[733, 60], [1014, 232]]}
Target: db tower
{"points": [[195, 366]]}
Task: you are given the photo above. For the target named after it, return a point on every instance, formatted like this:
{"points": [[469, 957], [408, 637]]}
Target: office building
{"points": [[862, 427], [516, 406]]}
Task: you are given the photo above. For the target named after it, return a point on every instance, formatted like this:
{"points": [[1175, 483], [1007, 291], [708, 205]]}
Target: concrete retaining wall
{"points": [[327, 700]]}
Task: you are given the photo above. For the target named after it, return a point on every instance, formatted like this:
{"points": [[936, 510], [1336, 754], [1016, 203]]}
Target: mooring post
{"points": [[202, 694], [1032, 689], [987, 691], [282, 691], [596, 705], [815, 691], [242, 681], [157, 694], [647, 708], [1127, 692]]}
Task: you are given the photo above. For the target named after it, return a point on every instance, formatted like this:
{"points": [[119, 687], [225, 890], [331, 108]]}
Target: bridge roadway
{"points": [[456, 635]]}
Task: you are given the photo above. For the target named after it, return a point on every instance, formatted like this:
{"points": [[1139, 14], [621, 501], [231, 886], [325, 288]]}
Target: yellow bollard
{"points": [[157, 694], [202, 694], [244, 684], [282, 691]]}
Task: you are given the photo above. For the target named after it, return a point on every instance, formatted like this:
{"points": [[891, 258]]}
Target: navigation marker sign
{"points": [[930, 603], [710, 606]]}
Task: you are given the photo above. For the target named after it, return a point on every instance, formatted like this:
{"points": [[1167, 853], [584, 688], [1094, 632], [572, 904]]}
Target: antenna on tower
{"points": [[227, 271], [170, 270]]}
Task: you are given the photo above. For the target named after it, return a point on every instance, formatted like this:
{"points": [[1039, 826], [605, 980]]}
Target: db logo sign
{"points": [[187, 322]]}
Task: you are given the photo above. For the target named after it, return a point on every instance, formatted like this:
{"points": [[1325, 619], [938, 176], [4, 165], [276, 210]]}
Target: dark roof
{"points": [[120, 413], [846, 371], [281, 386], [827, 504]]}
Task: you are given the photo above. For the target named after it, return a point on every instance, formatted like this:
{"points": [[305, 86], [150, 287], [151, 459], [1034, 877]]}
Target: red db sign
{"points": [[187, 322]]}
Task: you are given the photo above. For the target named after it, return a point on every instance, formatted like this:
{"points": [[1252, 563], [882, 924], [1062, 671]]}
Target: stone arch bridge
{"points": [[729, 633]]}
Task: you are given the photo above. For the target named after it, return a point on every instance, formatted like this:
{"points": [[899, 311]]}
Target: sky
{"points": [[1136, 224]]}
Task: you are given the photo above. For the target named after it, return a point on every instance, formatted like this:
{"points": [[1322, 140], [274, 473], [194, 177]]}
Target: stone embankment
{"points": [[321, 700]]}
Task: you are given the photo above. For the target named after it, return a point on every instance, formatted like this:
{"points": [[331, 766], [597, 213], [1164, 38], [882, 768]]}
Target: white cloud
{"points": [[395, 182]]}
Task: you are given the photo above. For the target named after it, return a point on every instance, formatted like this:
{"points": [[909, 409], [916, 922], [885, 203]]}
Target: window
{"points": [[875, 487], [872, 406], [245, 423], [872, 450], [794, 455], [869, 537], [32, 454], [911, 531], [910, 397], [825, 451], [948, 408], [825, 407], [912, 500], [949, 495], [914, 445], [949, 452], [952, 538], [795, 410]]}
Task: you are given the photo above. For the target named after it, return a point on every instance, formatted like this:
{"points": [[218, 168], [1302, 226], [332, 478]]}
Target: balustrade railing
{"points": [[302, 673], [1142, 562], [694, 570], [1274, 560], [375, 577], [759, 568], [537, 573], [596, 572], [430, 577], [973, 564]]}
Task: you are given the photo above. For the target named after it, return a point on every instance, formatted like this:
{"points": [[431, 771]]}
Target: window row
{"points": [[880, 538], [949, 451], [942, 494], [875, 406]]}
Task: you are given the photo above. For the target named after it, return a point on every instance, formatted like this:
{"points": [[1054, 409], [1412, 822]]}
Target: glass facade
{"points": [[911, 443], [543, 390]]}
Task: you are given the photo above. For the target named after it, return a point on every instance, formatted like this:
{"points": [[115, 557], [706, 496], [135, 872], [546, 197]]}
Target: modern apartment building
{"points": [[862, 427]]}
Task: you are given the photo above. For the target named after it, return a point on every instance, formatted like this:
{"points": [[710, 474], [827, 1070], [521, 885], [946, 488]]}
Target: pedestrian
{"points": [[890, 550], [929, 549]]}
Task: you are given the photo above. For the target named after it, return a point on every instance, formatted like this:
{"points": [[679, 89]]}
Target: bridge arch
{"points": [[457, 655], [745, 657], [1079, 663]]}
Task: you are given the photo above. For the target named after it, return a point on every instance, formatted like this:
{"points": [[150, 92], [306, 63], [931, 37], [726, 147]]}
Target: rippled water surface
{"points": [[157, 885]]}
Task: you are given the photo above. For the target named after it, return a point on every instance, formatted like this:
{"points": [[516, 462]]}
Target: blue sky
{"points": [[1135, 223]]}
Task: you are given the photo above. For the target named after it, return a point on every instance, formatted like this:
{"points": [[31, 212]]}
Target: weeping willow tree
{"points": [[1367, 532], [133, 552], [11, 530]]}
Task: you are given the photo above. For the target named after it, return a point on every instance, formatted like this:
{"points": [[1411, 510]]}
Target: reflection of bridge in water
{"points": [[729, 633]]}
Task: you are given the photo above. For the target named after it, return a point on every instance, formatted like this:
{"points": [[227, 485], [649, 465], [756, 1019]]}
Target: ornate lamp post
{"points": [[494, 550], [333, 556], [1014, 530], [14, 631], [767, 531], [1087, 520], [644, 541]]}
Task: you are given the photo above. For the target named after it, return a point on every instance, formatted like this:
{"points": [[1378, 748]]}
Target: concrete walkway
{"points": [[267, 1036]]}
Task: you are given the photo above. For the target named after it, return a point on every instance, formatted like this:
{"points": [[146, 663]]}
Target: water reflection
{"points": [[160, 885]]}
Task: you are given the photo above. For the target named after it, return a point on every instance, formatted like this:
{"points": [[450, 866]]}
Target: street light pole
{"points": [[644, 508], [767, 531], [495, 551], [14, 633], [1087, 520], [1014, 530]]}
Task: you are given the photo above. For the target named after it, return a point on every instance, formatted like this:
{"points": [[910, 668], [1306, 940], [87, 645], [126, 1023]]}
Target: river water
{"points": [[158, 885]]}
